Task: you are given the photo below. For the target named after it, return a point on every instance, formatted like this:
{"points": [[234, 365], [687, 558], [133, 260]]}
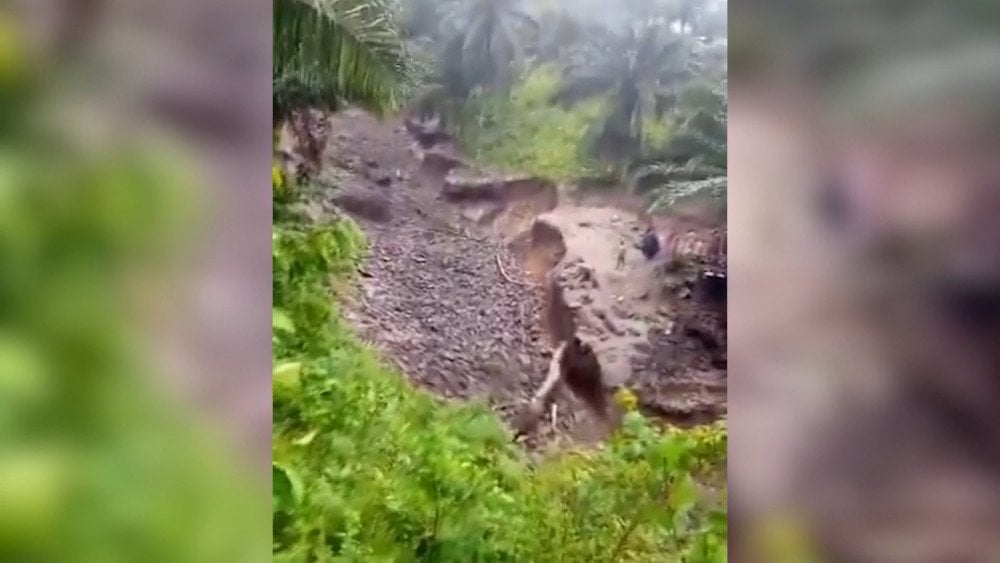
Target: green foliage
{"points": [[328, 52], [303, 259], [97, 464], [483, 44], [692, 163], [524, 132], [369, 469]]}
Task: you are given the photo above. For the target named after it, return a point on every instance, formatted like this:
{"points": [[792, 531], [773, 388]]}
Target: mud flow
{"points": [[475, 278]]}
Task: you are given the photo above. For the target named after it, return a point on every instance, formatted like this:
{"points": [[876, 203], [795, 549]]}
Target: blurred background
{"points": [[864, 281], [134, 302]]}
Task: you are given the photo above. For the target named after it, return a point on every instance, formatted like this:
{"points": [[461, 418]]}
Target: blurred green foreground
{"points": [[95, 465]]}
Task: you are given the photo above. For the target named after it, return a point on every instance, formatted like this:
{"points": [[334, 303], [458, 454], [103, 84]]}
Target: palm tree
{"points": [[641, 69], [485, 43], [559, 34], [331, 52], [479, 44], [692, 163]]}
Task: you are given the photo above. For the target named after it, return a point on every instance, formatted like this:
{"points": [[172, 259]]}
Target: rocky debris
{"points": [[364, 205], [463, 185], [426, 133], [631, 325], [446, 294], [694, 244], [435, 302], [439, 162], [464, 188]]}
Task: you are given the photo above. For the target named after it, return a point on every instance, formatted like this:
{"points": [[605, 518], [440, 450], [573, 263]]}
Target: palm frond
{"points": [[670, 195], [328, 52], [651, 176]]}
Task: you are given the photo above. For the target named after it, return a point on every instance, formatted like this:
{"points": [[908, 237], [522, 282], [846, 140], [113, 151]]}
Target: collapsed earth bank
{"points": [[473, 279]]}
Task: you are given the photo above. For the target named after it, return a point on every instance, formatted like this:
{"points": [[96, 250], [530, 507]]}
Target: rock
{"points": [[607, 322], [461, 188], [383, 180], [367, 205], [372, 163], [621, 311], [440, 163]]}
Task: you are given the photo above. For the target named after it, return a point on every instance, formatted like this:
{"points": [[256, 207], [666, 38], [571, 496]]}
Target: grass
{"points": [[367, 468], [524, 133]]}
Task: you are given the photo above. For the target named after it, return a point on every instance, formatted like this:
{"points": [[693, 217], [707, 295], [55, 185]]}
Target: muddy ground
{"points": [[468, 294]]}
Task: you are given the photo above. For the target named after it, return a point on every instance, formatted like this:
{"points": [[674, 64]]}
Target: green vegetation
{"points": [[367, 468], [328, 52], [97, 463], [524, 132], [692, 162], [535, 87]]}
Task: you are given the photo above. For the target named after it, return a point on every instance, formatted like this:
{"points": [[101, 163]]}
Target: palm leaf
{"points": [[669, 195], [327, 52]]}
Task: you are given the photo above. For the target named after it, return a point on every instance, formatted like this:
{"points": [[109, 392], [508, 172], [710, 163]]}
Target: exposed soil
{"points": [[473, 279]]}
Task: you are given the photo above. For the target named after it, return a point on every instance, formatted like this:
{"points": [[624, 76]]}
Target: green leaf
{"points": [[307, 439], [287, 488], [281, 321], [328, 51], [287, 374]]}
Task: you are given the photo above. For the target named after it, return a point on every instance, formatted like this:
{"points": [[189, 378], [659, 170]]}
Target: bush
{"points": [[368, 468], [524, 132]]}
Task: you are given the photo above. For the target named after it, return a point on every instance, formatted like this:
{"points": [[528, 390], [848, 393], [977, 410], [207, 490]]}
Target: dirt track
{"points": [[456, 291]]}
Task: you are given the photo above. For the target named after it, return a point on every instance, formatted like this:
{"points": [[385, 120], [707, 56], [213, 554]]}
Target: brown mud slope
{"points": [[472, 281], [440, 298], [649, 331]]}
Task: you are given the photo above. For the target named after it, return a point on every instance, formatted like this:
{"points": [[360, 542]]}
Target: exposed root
{"points": [[504, 274], [528, 418]]}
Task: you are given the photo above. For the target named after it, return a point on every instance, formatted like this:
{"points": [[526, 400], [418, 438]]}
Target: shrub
{"points": [[525, 132], [367, 468]]}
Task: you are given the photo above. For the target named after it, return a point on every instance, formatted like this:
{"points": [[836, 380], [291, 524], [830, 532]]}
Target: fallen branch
{"points": [[504, 274], [529, 416], [553, 377]]}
